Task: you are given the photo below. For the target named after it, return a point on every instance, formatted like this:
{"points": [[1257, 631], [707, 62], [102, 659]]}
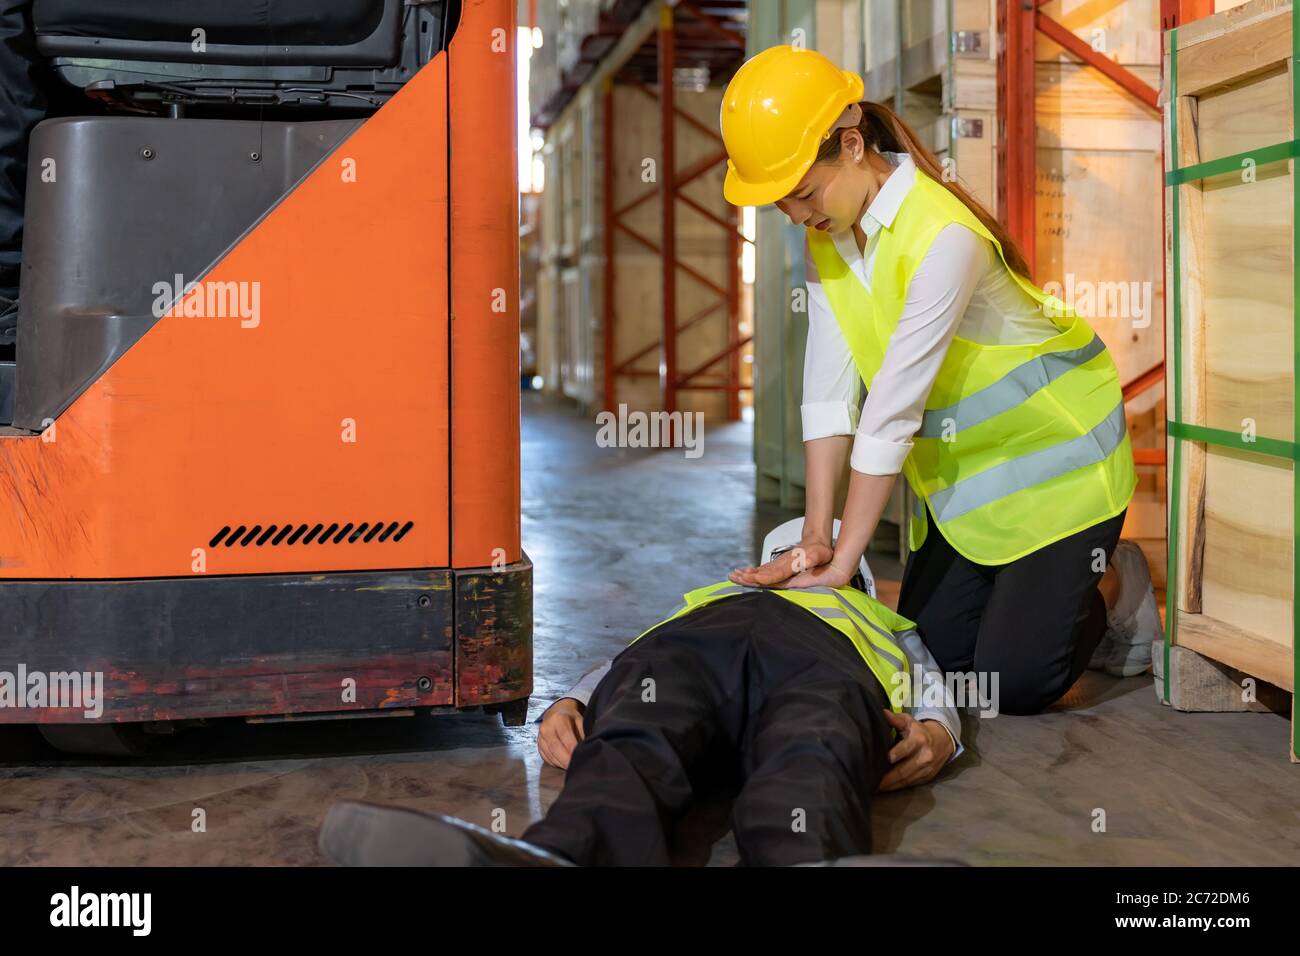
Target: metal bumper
{"points": [[264, 645]]}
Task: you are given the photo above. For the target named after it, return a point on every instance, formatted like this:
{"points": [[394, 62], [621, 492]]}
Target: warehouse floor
{"points": [[616, 537]]}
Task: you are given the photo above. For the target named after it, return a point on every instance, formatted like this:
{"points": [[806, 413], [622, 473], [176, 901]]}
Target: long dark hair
{"points": [[885, 131]]}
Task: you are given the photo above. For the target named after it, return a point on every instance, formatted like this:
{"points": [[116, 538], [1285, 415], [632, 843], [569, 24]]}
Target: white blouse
{"points": [[959, 288]]}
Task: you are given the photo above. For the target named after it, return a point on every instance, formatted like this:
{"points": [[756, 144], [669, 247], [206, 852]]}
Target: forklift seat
{"points": [[249, 112], [226, 22], [150, 56]]}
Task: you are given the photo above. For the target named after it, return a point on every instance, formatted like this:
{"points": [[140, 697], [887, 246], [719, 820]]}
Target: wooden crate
{"points": [[1229, 119]]}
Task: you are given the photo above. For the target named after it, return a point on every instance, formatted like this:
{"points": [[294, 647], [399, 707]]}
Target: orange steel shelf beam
{"points": [[672, 180]]}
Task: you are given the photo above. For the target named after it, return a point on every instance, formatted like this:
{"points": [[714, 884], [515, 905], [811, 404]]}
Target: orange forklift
{"points": [[261, 444]]}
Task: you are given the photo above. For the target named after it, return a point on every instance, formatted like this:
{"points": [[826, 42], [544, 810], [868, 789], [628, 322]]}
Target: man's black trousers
{"points": [[1034, 622], [750, 687]]}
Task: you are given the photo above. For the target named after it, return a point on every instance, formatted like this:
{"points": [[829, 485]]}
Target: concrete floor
{"points": [[616, 537]]}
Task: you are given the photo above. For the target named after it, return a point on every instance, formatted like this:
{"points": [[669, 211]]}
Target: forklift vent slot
{"points": [[290, 534]]}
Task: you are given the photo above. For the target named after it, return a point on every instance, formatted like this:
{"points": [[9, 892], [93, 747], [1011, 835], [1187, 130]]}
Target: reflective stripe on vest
{"points": [[1009, 391], [869, 625], [1019, 445], [1031, 469]]}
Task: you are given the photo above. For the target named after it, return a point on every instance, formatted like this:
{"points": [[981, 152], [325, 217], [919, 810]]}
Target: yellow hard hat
{"points": [[776, 111]]}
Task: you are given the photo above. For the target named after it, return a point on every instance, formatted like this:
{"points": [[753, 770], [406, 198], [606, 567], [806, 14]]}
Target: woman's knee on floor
{"points": [[1017, 687]]}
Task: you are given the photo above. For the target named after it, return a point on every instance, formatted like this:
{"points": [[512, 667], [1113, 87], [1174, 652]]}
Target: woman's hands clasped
{"points": [[810, 564]]}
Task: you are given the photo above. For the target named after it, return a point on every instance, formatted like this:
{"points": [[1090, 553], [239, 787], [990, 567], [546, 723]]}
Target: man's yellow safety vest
{"points": [[1020, 445], [867, 623]]}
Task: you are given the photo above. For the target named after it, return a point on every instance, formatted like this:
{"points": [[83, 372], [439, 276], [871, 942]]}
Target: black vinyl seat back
{"points": [[72, 27], [270, 92], [150, 55]]}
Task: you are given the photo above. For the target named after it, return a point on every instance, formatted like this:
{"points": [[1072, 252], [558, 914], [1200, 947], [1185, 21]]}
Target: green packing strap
{"points": [[1175, 491], [1182, 431], [1234, 163], [1271, 447]]}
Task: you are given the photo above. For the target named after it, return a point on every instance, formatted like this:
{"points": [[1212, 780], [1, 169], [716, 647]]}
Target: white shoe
{"points": [[1134, 622]]}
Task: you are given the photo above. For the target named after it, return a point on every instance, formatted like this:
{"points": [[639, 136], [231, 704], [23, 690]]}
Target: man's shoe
{"points": [[1134, 622], [366, 834]]}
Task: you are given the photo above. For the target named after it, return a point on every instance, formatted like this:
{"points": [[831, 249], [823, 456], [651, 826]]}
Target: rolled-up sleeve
{"points": [[943, 707], [937, 297], [582, 691], [831, 386]]}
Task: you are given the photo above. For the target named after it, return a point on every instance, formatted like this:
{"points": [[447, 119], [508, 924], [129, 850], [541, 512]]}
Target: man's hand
{"points": [[781, 569], [922, 750], [560, 732]]}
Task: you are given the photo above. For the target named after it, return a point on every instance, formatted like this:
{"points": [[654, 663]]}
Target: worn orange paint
{"points": [[485, 271]]}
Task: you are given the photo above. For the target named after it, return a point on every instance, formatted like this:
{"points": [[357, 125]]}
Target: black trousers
{"points": [[1034, 622], [752, 689]]}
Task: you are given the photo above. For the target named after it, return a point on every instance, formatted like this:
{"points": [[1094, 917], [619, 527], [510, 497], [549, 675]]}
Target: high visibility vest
{"points": [[868, 624], [1020, 445]]}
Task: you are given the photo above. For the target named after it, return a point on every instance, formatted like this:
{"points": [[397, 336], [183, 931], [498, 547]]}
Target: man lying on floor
{"points": [[787, 691]]}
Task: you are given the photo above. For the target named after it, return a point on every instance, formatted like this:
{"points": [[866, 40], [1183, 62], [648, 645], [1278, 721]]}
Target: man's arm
{"points": [[945, 713], [561, 724], [586, 686]]}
